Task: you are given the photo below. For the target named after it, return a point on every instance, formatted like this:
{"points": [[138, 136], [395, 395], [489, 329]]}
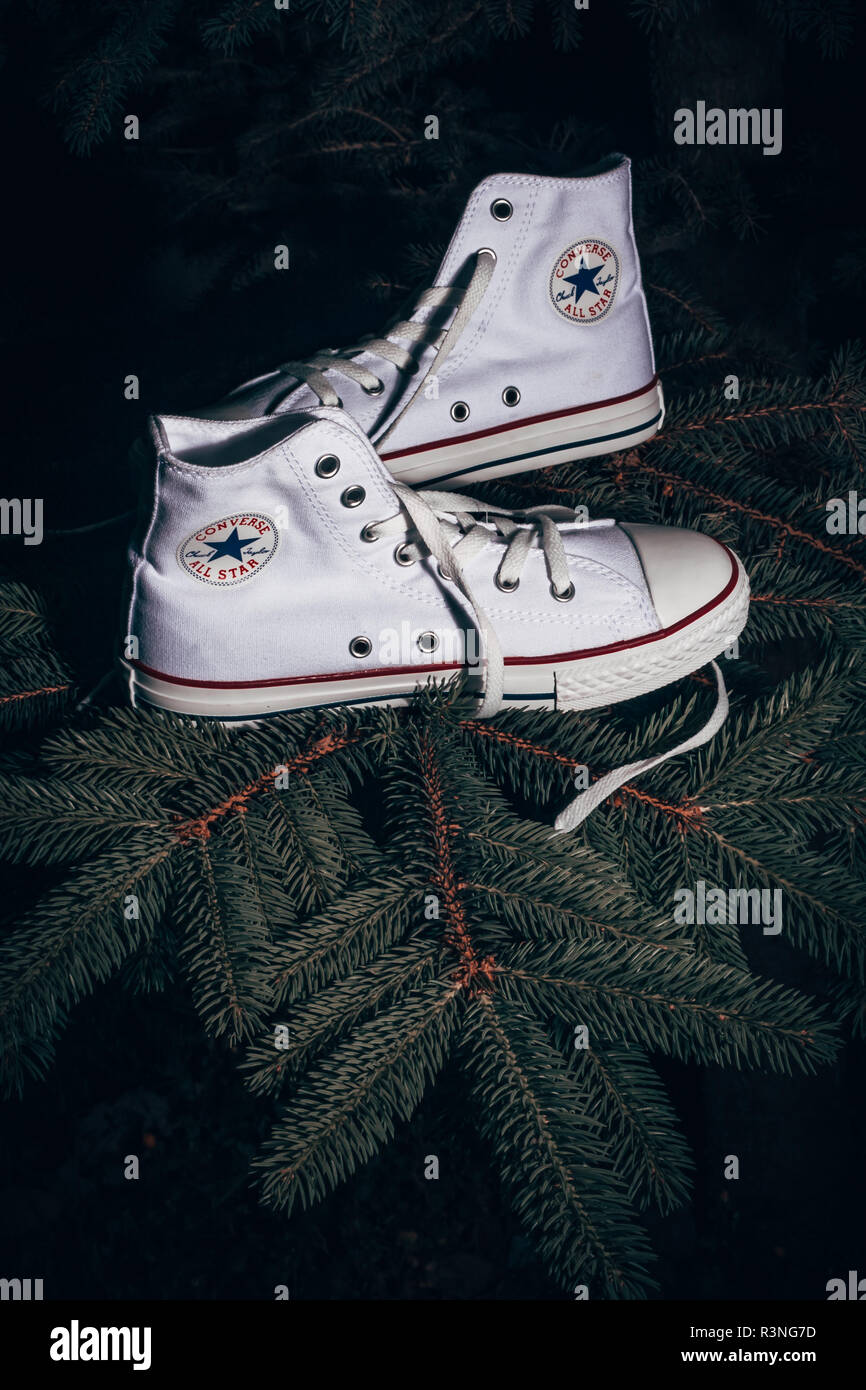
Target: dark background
{"points": [[155, 258]]}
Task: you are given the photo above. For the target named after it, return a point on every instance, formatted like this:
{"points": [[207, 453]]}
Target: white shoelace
{"points": [[446, 529], [342, 360], [586, 802]]}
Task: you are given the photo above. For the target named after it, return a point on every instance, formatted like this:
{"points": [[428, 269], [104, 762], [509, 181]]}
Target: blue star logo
{"points": [[232, 546], [584, 280]]}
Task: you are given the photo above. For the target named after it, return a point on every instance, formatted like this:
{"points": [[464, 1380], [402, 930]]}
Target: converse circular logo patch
{"points": [[583, 282], [231, 550]]}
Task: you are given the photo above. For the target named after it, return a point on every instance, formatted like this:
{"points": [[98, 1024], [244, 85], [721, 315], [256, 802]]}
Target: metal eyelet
{"points": [[428, 642], [374, 390], [460, 411], [401, 556], [565, 595], [511, 395], [369, 533], [353, 497], [360, 646], [501, 209], [327, 466], [507, 585]]}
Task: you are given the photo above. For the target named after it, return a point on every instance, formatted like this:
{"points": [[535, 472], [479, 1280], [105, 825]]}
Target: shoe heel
{"points": [[605, 427]]}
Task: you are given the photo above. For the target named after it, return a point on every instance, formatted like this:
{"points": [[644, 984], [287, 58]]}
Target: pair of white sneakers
{"points": [[287, 556]]}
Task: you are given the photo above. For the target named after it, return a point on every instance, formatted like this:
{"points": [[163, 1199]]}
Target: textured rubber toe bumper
{"points": [[635, 668], [566, 680]]}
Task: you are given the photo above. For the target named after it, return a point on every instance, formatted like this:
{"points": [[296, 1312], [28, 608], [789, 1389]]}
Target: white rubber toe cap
{"points": [[684, 570]]}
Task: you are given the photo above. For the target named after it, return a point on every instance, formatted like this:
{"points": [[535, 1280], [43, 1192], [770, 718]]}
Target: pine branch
{"points": [[330, 1014], [531, 1112], [688, 1008], [357, 928], [622, 1091], [227, 940], [77, 936], [350, 1103], [91, 93], [237, 24], [35, 687]]}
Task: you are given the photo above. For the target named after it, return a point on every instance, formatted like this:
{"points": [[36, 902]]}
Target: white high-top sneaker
{"points": [[279, 566], [532, 348]]}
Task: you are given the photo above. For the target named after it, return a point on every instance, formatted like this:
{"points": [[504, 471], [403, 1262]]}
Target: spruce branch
{"points": [[687, 1007], [226, 936], [317, 1021], [35, 687], [531, 1112], [78, 935], [351, 1102], [622, 1090]]}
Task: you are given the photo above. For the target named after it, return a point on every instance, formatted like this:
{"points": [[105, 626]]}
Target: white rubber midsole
{"points": [[584, 433], [585, 682]]}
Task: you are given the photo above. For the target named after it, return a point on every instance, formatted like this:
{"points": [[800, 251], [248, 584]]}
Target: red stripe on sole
{"points": [[518, 424], [433, 670]]}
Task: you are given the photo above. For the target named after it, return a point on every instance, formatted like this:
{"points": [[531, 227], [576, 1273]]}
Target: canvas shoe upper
{"points": [[278, 565], [532, 347]]}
